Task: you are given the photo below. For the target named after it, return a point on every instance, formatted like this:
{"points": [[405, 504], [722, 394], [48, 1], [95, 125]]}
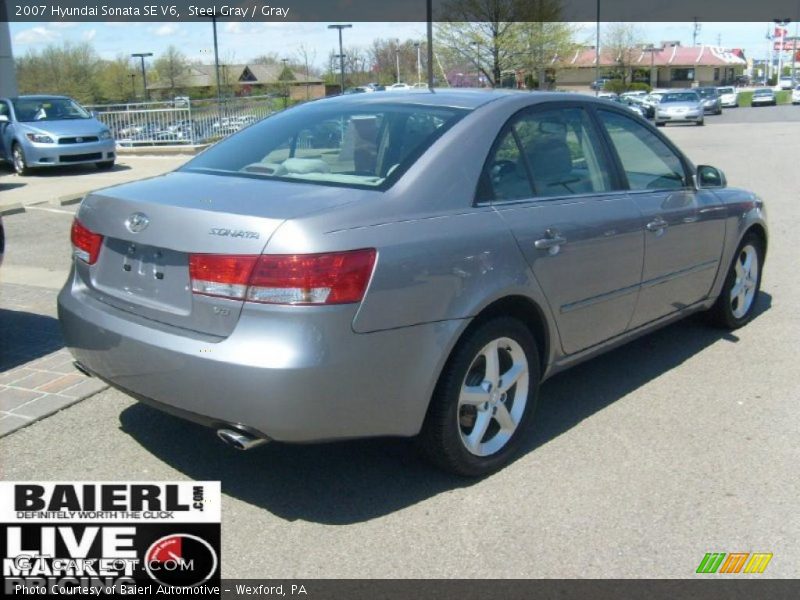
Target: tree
{"points": [[306, 57], [544, 37], [480, 33], [623, 42], [170, 67], [68, 69], [115, 81]]}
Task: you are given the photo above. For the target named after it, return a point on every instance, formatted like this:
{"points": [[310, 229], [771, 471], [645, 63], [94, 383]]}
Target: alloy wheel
{"points": [[493, 396], [19, 160], [744, 288]]}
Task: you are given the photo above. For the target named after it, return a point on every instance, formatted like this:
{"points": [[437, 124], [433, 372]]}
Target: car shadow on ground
{"points": [[26, 336], [351, 482]]}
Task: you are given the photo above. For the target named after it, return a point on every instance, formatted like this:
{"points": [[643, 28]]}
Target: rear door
{"points": [[551, 179], [683, 227]]}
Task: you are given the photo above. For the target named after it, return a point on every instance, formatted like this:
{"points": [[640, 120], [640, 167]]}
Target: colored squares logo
{"points": [[735, 562]]}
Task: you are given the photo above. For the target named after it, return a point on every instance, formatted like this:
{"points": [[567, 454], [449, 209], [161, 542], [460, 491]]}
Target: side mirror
{"points": [[710, 177], [3, 118]]}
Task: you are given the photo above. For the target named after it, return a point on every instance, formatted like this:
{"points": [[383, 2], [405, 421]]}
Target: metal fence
{"points": [[182, 121]]}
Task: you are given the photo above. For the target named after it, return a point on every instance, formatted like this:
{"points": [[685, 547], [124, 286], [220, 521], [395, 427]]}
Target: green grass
{"points": [[781, 97]]}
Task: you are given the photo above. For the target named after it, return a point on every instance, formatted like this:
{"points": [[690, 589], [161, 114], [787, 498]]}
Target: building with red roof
{"points": [[665, 66]]}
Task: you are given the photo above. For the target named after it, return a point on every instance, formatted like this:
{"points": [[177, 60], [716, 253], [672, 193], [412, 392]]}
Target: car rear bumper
{"points": [[294, 374], [54, 155]]}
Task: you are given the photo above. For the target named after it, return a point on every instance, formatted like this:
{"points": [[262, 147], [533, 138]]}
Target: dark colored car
{"points": [[710, 99]]}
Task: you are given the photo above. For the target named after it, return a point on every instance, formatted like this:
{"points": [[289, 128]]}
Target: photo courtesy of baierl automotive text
{"points": [[432, 299]]}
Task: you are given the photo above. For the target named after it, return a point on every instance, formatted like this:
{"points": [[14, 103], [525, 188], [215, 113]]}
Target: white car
{"points": [[398, 87], [785, 82], [796, 95], [763, 97], [728, 97], [636, 94]]}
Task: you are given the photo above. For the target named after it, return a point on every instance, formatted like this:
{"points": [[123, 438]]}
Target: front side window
{"points": [[348, 146], [545, 153], [648, 163], [29, 110]]}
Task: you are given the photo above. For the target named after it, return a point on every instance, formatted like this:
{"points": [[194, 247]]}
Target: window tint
{"points": [[357, 147], [556, 148], [648, 162]]}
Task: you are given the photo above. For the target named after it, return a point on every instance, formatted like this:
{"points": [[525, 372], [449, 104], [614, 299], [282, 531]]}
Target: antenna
{"points": [[695, 31]]}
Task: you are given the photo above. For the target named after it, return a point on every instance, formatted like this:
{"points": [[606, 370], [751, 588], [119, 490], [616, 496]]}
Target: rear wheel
{"points": [[484, 401], [737, 300], [18, 158]]}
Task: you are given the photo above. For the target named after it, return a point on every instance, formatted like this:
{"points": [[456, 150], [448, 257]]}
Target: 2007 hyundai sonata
{"points": [[405, 266]]}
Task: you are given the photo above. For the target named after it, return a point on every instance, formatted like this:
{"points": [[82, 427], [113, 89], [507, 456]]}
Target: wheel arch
{"points": [[759, 230]]}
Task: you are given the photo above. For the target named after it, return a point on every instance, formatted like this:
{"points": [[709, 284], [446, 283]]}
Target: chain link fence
{"points": [[182, 121]]}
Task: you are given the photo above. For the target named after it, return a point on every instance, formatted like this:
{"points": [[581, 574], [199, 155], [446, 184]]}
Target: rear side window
{"points": [[648, 162], [361, 147], [545, 153]]}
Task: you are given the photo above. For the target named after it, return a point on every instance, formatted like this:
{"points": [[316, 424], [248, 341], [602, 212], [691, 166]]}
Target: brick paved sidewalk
{"points": [[37, 377]]}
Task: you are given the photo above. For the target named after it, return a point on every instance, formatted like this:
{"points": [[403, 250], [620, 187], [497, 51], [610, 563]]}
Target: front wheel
{"points": [[105, 165], [735, 305], [18, 158], [484, 400], [701, 123]]}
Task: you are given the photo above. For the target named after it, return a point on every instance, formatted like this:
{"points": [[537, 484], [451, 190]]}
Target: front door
{"points": [[683, 227], [550, 179]]}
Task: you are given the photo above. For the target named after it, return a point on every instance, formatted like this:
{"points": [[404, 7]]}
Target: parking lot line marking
{"points": [[52, 210]]}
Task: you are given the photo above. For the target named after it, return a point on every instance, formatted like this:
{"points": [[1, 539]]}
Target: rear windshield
{"points": [[366, 146], [48, 109], [762, 92], [726, 90], [680, 97]]}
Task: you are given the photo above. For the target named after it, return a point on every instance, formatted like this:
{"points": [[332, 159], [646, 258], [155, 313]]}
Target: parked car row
{"points": [[197, 130], [376, 87]]}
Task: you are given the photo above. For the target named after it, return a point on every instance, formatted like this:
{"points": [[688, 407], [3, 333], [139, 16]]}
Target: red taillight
{"points": [[85, 242], [331, 278], [221, 275]]}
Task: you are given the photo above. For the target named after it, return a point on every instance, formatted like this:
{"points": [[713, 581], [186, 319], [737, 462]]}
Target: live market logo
{"points": [[108, 537]]}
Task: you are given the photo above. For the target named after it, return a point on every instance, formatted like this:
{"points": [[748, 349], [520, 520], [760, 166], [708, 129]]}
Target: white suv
{"points": [[796, 95]]}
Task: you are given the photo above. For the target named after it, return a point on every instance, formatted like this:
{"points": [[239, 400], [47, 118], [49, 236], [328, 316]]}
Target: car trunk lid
{"points": [[151, 228]]}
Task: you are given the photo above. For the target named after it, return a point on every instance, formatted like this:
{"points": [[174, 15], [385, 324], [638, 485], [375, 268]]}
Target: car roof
{"points": [[465, 98]]}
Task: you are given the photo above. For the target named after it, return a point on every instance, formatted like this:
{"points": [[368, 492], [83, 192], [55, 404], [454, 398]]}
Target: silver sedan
{"points": [[680, 107], [412, 264]]}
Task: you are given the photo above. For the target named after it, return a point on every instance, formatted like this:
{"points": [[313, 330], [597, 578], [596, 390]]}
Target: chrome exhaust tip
{"points": [[240, 439]]}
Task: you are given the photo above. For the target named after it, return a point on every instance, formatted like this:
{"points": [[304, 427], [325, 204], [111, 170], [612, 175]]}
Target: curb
{"points": [[12, 209], [69, 199]]}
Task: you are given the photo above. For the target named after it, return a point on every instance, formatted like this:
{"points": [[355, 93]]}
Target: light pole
{"points": [[429, 34], [419, 64], [142, 56], [133, 86], [341, 51], [285, 85], [597, 52], [653, 76], [397, 58]]}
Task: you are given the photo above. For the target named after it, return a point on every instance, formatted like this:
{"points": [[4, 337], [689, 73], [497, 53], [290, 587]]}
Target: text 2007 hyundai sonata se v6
{"points": [[404, 266]]}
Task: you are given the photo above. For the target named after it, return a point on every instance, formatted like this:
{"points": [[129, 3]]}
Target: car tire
{"points": [[701, 122], [471, 394], [732, 311], [105, 165], [18, 160], [659, 124]]}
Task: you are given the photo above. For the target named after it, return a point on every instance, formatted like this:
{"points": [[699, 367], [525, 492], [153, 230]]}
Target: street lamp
{"points": [[652, 50], [285, 85], [133, 86], [341, 51], [142, 56], [397, 57], [597, 52], [419, 64]]}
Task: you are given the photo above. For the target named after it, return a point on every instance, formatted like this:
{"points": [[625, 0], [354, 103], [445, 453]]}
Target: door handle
{"points": [[552, 241], [656, 225]]}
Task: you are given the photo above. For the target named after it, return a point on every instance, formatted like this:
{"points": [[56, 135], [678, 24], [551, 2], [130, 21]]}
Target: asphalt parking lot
{"points": [[680, 443]]}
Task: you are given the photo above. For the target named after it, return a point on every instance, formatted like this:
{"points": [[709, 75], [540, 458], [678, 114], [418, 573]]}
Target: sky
{"points": [[240, 42]]}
